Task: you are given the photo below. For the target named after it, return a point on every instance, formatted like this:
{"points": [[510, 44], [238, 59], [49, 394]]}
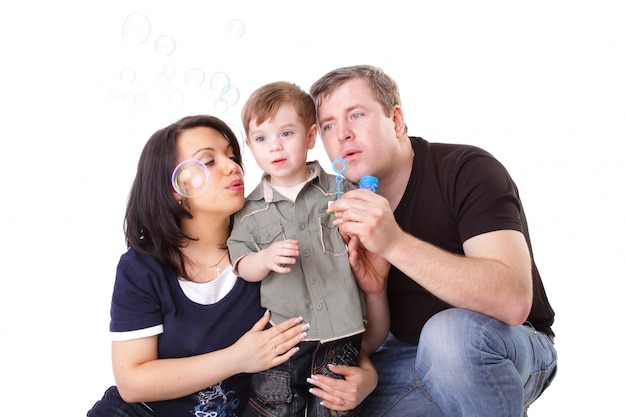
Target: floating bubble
{"points": [[169, 71], [136, 29], [129, 97], [236, 28], [190, 178], [220, 82], [221, 105], [194, 77], [127, 75], [175, 98], [231, 96], [165, 45]]}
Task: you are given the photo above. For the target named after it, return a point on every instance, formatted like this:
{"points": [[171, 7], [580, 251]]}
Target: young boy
{"points": [[284, 238]]}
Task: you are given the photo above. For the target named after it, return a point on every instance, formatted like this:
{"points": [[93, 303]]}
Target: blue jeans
{"points": [[465, 365], [283, 390]]}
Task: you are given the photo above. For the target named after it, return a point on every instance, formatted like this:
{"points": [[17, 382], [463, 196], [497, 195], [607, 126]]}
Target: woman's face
{"points": [[225, 192]]}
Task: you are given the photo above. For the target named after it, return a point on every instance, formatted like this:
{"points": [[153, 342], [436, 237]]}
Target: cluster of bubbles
{"points": [[136, 30]]}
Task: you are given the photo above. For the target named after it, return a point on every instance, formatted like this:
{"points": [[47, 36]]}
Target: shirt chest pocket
{"points": [[266, 235], [332, 242]]}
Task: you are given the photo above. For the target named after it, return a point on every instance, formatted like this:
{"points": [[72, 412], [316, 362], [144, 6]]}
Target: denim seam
{"points": [[417, 384], [492, 380]]}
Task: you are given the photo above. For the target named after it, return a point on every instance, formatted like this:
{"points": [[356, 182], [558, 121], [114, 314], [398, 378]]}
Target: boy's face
{"points": [[280, 146]]}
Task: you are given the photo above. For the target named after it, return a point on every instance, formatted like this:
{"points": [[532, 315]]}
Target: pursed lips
{"points": [[235, 184], [350, 154]]}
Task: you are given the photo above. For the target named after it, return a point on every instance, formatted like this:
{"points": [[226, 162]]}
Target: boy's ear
{"points": [[312, 136]]}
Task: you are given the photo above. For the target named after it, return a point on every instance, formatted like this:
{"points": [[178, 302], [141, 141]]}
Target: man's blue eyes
{"points": [[354, 116]]}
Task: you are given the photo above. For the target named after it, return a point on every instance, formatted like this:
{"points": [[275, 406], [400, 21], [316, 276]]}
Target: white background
{"points": [[540, 84]]}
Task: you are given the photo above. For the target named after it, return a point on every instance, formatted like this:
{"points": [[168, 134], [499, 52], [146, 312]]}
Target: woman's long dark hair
{"points": [[152, 223]]}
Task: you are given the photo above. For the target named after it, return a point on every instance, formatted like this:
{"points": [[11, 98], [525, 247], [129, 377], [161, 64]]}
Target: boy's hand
{"points": [[280, 254]]}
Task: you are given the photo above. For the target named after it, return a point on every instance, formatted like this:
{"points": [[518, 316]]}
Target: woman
{"points": [[187, 331]]}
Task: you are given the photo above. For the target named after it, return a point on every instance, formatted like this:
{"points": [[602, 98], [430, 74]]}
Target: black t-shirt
{"points": [[455, 192]]}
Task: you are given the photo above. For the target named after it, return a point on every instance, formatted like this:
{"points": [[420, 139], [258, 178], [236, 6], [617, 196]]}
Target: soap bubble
{"points": [[190, 178], [136, 29], [220, 82], [236, 28], [194, 77], [165, 45], [127, 75], [129, 97], [220, 105], [231, 96], [169, 71]]}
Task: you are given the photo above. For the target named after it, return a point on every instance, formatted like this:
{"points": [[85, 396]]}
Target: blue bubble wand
{"points": [[339, 171]]}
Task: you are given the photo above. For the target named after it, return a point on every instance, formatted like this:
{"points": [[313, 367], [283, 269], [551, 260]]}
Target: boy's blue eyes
{"points": [[282, 134]]}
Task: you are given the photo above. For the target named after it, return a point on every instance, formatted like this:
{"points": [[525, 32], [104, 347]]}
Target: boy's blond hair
{"points": [[265, 102]]}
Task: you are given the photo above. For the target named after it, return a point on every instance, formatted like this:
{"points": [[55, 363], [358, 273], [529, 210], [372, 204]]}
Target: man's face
{"points": [[355, 128]]}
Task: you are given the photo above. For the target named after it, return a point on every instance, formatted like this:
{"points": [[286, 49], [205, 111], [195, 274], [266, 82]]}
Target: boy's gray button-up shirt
{"points": [[320, 287]]}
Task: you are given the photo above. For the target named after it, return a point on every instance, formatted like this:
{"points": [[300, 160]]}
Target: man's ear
{"points": [[398, 120]]}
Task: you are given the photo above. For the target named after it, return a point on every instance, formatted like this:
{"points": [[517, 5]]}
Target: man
{"points": [[470, 321]]}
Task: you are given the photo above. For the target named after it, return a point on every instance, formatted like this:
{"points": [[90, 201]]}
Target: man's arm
{"points": [[493, 278]]}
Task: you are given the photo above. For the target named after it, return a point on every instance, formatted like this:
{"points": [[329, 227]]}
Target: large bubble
{"points": [[190, 178], [194, 77]]}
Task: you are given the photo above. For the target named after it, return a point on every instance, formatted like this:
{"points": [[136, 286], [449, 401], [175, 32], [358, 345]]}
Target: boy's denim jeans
{"points": [[466, 365], [283, 390]]}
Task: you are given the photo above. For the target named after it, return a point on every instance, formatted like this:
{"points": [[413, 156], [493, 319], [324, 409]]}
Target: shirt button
{"points": [[312, 280], [318, 306], [306, 253], [301, 226]]}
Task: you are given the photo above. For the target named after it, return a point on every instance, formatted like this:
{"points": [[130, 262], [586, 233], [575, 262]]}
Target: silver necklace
{"points": [[218, 270]]}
